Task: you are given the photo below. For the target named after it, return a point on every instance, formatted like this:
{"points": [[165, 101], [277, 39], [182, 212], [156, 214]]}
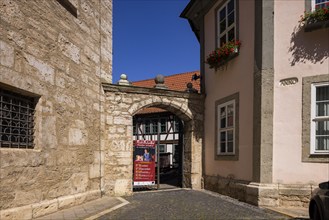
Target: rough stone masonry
{"points": [[82, 123], [60, 59]]}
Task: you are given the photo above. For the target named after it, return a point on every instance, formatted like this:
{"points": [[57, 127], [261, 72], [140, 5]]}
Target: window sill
{"points": [[226, 157], [309, 27], [316, 158], [319, 153]]}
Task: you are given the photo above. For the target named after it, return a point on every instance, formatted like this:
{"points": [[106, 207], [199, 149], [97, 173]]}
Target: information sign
{"points": [[144, 162]]}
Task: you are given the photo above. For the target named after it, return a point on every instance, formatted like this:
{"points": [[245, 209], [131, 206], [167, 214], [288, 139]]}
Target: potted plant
{"points": [[315, 19], [223, 54]]}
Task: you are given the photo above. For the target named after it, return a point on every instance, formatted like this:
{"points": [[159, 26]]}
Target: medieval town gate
{"points": [[120, 105]]}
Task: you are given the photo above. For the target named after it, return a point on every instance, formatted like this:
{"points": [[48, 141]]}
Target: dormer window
{"points": [[226, 23]]}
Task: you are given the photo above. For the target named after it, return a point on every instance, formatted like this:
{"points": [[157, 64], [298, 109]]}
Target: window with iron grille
{"points": [[16, 120]]}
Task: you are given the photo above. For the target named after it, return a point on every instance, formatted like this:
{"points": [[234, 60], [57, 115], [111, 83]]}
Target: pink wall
{"points": [[294, 57], [237, 77]]}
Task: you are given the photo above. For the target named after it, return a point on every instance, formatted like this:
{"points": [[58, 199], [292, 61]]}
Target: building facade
{"points": [[53, 56], [266, 105]]}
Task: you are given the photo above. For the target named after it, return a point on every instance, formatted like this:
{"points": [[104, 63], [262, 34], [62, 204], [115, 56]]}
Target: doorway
{"points": [[152, 124]]}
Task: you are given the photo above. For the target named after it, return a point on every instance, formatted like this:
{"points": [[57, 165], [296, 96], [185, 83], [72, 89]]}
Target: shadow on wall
{"points": [[308, 46]]}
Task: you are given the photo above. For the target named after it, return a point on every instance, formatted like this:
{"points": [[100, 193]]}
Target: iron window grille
{"points": [[17, 120]]}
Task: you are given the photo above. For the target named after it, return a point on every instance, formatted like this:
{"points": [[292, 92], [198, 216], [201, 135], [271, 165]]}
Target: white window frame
{"points": [[314, 4], [233, 25], [314, 119], [226, 128]]}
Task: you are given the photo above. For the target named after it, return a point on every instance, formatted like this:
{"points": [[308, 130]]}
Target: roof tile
{"points": [[175, 82]]}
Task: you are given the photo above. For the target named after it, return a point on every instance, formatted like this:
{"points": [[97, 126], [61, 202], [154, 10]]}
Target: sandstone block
{"points": [[295, 190], [268, 202], [6, 54], [69, 49], [44, 208], [94, 171], [118, 120], [49, 135], [91, 54], [92, 195], [66, 202], [21, 213], [46, 72], [121, 130], [122, 187], [77, 136]]}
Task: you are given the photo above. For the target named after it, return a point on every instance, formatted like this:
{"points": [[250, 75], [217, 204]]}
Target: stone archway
{"points": [[120, 104]]}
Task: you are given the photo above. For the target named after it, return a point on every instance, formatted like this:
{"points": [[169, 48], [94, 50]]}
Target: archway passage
{"points": [[121, 104], [164, 127]]}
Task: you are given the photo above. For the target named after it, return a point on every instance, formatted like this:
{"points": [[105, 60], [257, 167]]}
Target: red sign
{"points": [[144, 162]]}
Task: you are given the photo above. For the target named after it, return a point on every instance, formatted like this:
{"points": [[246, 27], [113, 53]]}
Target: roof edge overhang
{"points": [[194, 13]]}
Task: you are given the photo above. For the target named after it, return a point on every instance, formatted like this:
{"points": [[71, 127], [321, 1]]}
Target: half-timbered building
{"points": [[156, 123]]}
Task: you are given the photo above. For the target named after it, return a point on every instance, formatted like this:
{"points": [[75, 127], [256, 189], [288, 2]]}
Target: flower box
{"points": [[308, 27], [315, 19], [222, 55]]}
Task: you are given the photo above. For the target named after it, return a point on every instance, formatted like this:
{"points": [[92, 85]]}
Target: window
{"points": [[163, 126], [315, 119], [154, 127], [317, 4], [227, 128], [320, 118], [226, 26], [16, 120], [226, 115], [176, 125], [147, 127], [162, 148]]}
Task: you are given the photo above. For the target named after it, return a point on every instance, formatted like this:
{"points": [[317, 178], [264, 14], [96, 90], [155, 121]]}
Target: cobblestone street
{"points": [[187, 204]]}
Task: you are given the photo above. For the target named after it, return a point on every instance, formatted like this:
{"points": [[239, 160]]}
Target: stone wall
{"points": [[47, 52], [261, 194], [83, 130], [121, 104]]}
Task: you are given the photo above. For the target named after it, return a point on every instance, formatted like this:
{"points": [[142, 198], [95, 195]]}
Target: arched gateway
{"points": [[121, 104]]}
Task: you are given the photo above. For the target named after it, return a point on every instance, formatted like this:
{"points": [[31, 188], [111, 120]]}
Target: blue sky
{"points": [[150, 38]]}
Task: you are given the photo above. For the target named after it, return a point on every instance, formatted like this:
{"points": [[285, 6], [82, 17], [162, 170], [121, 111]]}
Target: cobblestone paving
{"points": [[188, 204]]}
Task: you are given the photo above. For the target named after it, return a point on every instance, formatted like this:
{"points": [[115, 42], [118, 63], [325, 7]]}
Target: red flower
{"points": [[220, 55]]}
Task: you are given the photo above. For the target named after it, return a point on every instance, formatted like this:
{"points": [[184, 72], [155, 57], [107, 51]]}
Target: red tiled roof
{"points": [[175, 82]]}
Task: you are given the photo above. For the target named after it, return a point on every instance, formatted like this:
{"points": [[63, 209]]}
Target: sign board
{"points": [[144, 162]]}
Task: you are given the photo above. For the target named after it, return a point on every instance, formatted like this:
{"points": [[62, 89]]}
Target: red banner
{"points": [[144, 162]]}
